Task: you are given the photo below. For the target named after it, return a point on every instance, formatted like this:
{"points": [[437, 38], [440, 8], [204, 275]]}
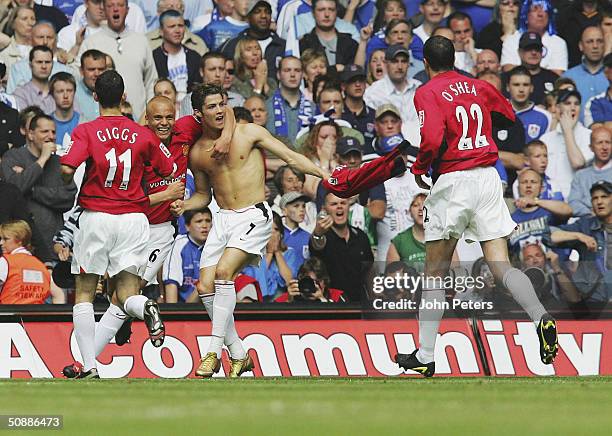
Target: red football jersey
{"points": [[456, 129], [185, 133], [116, 151]]}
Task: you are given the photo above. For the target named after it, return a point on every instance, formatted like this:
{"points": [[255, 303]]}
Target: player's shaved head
{"points": [[159, 103], [160, 117]]}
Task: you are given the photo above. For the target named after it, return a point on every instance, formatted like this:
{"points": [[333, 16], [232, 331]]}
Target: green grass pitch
{"points": [[317, 406]]}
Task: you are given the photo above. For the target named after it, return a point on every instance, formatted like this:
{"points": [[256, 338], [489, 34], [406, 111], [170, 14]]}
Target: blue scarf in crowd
{"points": [[281, 125]]}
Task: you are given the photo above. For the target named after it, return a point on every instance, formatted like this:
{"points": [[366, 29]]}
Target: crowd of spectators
{"points": [[334, 80]]}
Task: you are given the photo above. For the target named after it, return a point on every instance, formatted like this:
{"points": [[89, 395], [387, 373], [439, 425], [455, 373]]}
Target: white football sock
{"points": [[134, 306], [85, 331], [522, 291], [232, 340], [223, 309], [429, 322], [109, 325]]}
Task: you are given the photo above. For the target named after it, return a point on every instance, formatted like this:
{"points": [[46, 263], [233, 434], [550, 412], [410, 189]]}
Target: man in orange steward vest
{"points": [[23, 278]]}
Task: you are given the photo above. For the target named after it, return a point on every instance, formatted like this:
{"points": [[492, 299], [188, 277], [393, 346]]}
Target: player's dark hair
{"points": [[109, 88], [280, 173], [243, 114], [41, 48], [519, 71], [439, 53], [396, 22], [170, 13], [211, 55], [61, 76], [94, 54], [189, 214], [38, 118], [200, 92], [459, 16], [27, 114]]}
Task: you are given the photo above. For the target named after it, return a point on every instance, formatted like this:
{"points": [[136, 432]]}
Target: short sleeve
{"points": [[78, 149]]}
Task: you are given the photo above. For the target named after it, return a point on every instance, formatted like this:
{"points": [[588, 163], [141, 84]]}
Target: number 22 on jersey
{"points": [[466, 143], [126, 160]]}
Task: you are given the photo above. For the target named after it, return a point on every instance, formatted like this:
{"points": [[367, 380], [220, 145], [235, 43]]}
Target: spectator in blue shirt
{"points": [[589, 74], [217, 32], [591, 236], [62, 87], [182, 266], [293, 205], [599, 108], [601, 169], [536, 121], [93, 63], [533, 215], [537, 159], [279, 265]]}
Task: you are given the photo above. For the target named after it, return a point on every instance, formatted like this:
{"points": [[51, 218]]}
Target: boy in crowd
{"points": [[293, 205], [182, 266], [537, 159]]}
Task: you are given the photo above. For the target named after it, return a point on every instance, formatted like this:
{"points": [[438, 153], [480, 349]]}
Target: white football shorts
{"points": [[248, 229], [107, 243], [469, 203]]}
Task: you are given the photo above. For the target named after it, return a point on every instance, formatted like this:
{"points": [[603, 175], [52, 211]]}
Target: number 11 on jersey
{"points": [[126, 159]]}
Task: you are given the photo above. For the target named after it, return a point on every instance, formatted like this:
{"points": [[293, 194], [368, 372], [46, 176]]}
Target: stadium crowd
{"points": [[334, 80]]}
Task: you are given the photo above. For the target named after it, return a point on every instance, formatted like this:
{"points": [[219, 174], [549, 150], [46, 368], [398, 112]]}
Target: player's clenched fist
{"points": [[175, 191], [177, 208]]}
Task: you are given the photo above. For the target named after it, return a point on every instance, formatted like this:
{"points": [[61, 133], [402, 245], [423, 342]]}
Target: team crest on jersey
{"points": [[305, 252], [533, 130], [165, 151], [549, 86], [185, 149], [502, 135], [421, 118]]}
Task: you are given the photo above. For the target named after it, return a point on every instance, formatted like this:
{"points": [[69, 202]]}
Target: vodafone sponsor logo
{"points": [[166, 182], [326, 348]]}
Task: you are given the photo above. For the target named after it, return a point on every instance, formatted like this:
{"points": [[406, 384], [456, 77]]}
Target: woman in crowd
{"points": [[503, 24], [320, 145], [23, 278], [315, 65], [251, 70], [21, 20], [376, 66]]}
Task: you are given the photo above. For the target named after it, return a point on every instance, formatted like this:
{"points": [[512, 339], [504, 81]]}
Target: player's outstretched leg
{"points": [[139, 306], [85, 324], [521, 288], [411, 362], [431, 308]]}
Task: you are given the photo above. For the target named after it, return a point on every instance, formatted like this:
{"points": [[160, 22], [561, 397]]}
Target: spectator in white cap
{"points": [[396, 89]]}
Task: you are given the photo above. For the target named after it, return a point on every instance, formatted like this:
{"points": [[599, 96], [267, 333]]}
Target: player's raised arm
{"points": [[432, 131], [265, 140]]}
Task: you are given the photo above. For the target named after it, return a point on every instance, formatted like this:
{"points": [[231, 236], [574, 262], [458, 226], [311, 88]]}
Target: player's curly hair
{"points": [[200, 92]]}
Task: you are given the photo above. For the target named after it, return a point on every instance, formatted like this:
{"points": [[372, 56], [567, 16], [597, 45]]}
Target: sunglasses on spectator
{"points": [[510, 3]]}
